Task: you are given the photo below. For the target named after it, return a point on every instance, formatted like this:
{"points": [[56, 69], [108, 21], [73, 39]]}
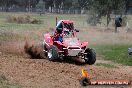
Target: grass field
{"points": [[48, 20], [115, 53]]}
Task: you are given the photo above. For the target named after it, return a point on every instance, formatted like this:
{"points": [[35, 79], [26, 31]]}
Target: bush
{"points": [[35, 21], [23, 19]]}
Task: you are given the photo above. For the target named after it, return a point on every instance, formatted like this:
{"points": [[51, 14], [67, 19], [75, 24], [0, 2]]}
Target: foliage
{"points": [[104, 7], [100, 8]]}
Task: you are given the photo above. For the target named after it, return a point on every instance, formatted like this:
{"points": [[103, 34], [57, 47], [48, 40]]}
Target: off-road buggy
{"points": [[68, 46]]}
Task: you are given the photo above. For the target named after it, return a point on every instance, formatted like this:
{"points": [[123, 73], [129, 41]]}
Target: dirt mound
{"points": [[33, 50]]}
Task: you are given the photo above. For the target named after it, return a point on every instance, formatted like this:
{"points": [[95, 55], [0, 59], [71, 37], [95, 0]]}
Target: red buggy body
{"points": [[70, 46]]}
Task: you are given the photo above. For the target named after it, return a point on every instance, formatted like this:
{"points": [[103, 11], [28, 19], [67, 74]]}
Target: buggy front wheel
{"points": [[90, 56], [52, 53]]}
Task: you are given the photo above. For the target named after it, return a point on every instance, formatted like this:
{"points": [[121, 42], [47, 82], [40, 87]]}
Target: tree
{"points": [[58, 5], [49, 3], [40, 7], [27, 3], [84, 3], [104, 8], [67, 4], [5, 4]]}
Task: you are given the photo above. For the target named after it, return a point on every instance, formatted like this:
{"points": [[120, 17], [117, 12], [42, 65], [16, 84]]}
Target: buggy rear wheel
{"points": [[90, 57]]}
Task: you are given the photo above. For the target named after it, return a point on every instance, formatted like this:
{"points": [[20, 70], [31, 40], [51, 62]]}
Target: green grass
{"points": [[48, 21], [116, 53], [105, 65]]}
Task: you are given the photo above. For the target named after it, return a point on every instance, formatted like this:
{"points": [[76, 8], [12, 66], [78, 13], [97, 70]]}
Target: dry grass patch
{"points": [[23, 19]]}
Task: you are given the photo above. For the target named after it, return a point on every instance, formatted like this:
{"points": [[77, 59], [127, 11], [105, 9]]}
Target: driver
{"points": [[58, 33]]}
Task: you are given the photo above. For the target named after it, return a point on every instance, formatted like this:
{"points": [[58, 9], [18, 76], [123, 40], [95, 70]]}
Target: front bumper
{"points": [[73, 52]]}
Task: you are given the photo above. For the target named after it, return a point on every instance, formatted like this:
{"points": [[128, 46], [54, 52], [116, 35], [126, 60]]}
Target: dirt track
{"points": [[41, 73], [45, 74]]}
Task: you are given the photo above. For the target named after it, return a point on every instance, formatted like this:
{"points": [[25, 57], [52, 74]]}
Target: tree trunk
{"points": [[6, 8], [115, 29], [51, 9], [108, 19]]}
